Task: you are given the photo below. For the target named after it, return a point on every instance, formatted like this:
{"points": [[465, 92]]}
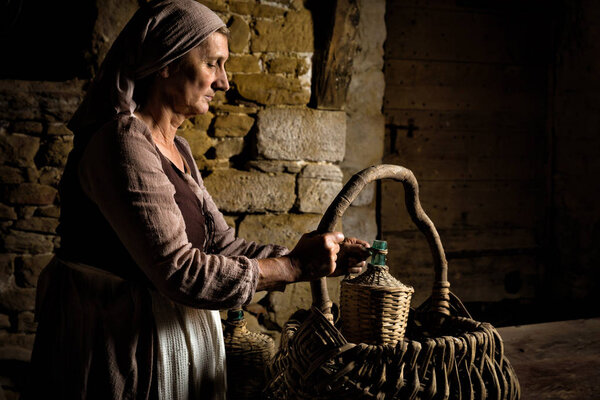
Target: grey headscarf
{"points": [[157, 34]]}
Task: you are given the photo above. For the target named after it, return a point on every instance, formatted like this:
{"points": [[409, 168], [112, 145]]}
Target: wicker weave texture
{"points": [[316, 362], [374, 315], [375, 306], [248, 355]]}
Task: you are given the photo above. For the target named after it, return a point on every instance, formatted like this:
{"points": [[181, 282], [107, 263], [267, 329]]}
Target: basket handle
{"points": [[441, 287]]}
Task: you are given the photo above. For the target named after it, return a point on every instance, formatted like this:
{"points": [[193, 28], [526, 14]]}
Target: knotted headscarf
{"points": [[160, 32]]}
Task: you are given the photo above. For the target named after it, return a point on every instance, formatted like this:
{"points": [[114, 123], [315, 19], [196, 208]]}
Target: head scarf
{"points": [[158, 33]]}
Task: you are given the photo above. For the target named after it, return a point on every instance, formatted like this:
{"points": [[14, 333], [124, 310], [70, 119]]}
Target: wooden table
{"points": [[556, 360]]}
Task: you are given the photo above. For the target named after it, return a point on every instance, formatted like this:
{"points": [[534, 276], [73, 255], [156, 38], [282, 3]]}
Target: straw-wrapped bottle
{"points": [[248, 355], [374, 306]]}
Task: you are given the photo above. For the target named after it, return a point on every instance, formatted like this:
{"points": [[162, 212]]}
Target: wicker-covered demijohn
{"points": [[374, 305], [445, 353], [248, 354]]}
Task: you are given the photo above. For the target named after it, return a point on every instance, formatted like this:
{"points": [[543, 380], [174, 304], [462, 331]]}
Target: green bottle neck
{"points": [[235, 315], [379, 252]]}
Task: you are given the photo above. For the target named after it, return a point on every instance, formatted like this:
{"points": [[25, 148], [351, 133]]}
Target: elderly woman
{"points": [[127, 308]]}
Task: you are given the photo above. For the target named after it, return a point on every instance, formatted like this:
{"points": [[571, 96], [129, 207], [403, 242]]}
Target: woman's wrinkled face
{"points": [[190, 85]]}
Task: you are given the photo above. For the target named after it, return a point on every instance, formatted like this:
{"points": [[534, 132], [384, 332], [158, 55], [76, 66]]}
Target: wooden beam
{"points": [[333, 63]]}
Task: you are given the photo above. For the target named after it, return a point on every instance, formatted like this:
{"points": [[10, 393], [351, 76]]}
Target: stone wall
{"points": [[272, 163], [34, 144]]}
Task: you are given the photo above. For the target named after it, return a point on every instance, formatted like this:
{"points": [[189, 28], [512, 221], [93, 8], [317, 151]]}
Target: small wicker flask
{"points": [[374, 306], [248, 354]]}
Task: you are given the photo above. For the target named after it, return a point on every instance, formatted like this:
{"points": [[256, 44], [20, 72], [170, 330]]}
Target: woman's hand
{"points": [[352, 256], [315, 255], [329, 254]]}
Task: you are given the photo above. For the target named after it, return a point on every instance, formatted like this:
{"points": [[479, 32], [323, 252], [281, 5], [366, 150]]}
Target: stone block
{"points": [[282, 229], [7, 269], [31, 174], [215, 5], [55, 151], [202, 121], [48, 211], [294, 32], [360, 222], [301, 134], [40, 100], [198, 140], [231, 221], [50, 176], [110, 17], [28, 127], [245, 7], [205, 164], [268, 11], [228, 147], [239, 35], [18, 149], [322, 171], [315, 195], [16, 346], [283, 65], [58, 129], [37, 224], [14, 298], [233, 125], [4, 321], [7, 212], [371, 35], [31, 193], [26, 322], [236, 108], [11, 175], [271, 89], [364, 138], [292, 167], [242, 191], [243, 63], [318, 184], [365, 92], [304, 66], [25, 212], [28, 268], [27, 242]]}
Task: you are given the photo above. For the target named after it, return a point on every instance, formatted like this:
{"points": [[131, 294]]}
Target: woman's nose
{"points": [[221, 83]]}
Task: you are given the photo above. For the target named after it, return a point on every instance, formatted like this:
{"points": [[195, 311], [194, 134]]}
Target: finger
{"points": [[354, 270], [354, 240], [338, 237], [357, 251], [333, 240], [363, 243]]}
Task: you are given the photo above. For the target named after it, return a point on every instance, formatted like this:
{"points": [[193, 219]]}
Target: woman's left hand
{"points": [[352, 257]]}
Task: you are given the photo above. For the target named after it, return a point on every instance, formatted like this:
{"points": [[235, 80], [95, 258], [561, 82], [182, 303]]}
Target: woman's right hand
{"points": [[315, 255]]}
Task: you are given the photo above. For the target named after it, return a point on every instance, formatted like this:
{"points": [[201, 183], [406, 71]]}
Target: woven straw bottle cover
{"points": [[375, 305], [248, 355]]}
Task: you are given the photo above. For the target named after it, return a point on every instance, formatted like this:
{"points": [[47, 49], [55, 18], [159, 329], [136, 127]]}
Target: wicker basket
{"points": [[445, 353], [248, 354], [374, 306]]}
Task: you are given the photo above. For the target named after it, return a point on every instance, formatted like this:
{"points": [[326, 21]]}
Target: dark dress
{"points": [[131, 226]]}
